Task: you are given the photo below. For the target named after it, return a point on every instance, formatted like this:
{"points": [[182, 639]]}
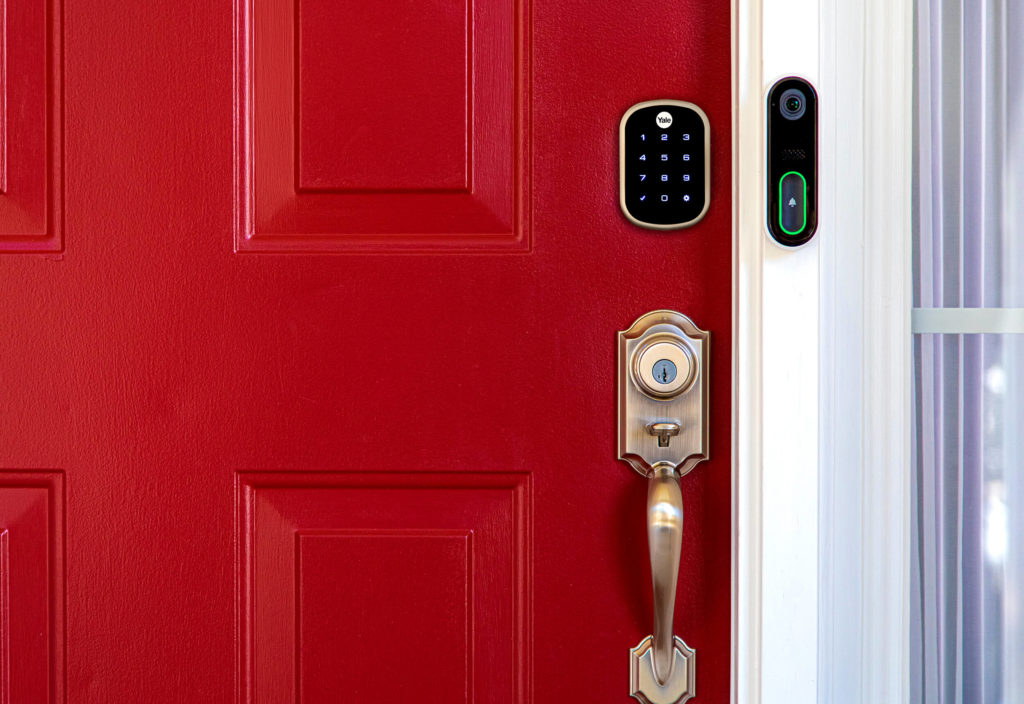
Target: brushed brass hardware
{"points": [[663, 434], [645, 400]]}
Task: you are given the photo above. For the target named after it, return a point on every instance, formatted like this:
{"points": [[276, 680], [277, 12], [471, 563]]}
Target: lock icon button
{"points": [[664, 367]]}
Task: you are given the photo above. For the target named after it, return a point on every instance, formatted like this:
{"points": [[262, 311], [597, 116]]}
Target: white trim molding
{"points": [[748, 253], [822, 424], [775, 576], [867, 108]]}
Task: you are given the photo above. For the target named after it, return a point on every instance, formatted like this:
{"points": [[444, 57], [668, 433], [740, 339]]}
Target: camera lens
{"points": [[793, 104]]}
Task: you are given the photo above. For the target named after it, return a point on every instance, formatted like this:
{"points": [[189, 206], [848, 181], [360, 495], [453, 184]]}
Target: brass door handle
{"points": [[665, 540], [663, 434], [663, 667]]}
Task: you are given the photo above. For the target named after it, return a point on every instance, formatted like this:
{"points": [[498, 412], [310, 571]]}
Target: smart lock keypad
{"points": [[664, 169]]}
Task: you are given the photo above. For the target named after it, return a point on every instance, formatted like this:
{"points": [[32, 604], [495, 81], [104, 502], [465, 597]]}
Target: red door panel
{"points": [[31, 587], [384, 585], [354, 127], [382, 127], [326, 365], [31, 164]]}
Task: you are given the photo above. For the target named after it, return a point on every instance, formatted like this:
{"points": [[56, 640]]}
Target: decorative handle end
{"points": [[682, 683]]}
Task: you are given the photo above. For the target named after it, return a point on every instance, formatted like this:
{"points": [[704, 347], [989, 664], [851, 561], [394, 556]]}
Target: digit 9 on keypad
{"points": [[664, 164]]}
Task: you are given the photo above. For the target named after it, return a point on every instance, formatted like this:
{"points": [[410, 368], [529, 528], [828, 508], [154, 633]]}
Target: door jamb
{"points": [[824, 618]]}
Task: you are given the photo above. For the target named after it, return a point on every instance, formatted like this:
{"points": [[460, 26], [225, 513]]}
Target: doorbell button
{"points": [[663, 368], [664, 164], [792, 203]]}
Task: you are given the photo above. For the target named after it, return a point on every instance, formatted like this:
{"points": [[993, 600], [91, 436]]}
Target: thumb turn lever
{"points": [[664, 432]]}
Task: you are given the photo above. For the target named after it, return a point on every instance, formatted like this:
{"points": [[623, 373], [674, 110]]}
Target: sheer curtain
{"points": [[967, 600]]}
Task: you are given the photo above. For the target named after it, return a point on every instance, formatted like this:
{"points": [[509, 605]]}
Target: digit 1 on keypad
{"points": [[682, 164]]}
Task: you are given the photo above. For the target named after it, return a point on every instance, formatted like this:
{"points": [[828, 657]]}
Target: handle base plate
{"points": [[682, 681]]}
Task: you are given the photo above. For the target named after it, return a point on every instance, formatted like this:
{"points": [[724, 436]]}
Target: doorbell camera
{"points": [[664, 164], [793, 104], [792, 189]]}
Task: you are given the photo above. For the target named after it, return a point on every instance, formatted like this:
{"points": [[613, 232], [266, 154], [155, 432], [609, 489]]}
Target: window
{"points": [[967, 562]]}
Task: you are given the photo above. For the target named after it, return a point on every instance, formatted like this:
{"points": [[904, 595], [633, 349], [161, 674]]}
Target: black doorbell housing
{"points": [[792, 161]]}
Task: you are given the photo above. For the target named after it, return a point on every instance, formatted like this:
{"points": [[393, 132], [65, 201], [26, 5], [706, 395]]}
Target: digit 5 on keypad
{"points": [[664, 164]]}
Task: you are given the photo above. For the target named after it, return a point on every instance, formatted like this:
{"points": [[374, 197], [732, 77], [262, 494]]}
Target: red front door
{"points": [[308, 374]]}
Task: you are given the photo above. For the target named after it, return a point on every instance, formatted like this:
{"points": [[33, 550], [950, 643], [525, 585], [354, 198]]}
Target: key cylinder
{"points": [[664, 367]]}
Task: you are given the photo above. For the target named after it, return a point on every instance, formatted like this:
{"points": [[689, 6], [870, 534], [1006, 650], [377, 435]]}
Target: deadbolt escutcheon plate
{"points": [[663, 379]]}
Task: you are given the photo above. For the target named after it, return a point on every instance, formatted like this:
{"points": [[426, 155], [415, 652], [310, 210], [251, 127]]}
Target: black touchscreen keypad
{"points": [[664, 164]]}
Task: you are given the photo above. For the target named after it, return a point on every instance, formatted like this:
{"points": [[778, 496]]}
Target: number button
{"points": [[664, 136], [664, 157], [686, 157], [664, 198], [686, 177]]}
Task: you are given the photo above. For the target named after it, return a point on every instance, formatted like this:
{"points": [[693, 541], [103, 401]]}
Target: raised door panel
{"points": [[378, 600], [399, 118], [382, 127], [31, 186], [385, 587], [31, 587]]}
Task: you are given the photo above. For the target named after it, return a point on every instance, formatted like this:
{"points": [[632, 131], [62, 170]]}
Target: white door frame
{"points": [[822, 364]]}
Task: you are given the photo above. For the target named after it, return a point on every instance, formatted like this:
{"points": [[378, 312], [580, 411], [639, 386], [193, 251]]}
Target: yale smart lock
{"points": [[664, 164], [792, 194]]}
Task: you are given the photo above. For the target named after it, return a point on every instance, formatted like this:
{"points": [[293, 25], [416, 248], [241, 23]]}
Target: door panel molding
{"points": [[464, 182], [447, 553], [32, 579], [31, 126]]}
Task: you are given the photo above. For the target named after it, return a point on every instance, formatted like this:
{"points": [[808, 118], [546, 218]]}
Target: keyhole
{"points": [[664, 371]]}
